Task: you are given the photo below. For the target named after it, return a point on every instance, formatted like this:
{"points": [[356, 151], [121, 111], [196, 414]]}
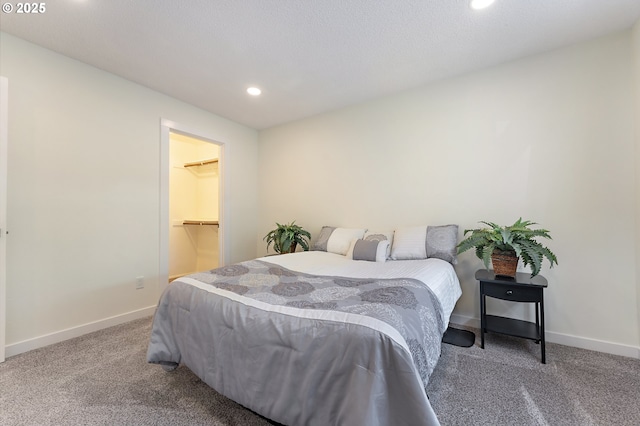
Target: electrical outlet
{"points": [[139, 283]]}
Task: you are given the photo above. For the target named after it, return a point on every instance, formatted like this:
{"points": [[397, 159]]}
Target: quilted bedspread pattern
{"points": [[305, 349]]}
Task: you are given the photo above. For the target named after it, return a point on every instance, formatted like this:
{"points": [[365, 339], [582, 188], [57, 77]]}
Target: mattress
{"points": [[437, 274]]}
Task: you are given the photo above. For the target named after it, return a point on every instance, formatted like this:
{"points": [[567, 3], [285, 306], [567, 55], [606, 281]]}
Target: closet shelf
{"points": [[200, 222], [201, 163]]}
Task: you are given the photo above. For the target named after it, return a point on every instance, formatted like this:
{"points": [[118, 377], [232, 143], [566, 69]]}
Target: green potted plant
{"points": [[504, 245], [285, 238]]}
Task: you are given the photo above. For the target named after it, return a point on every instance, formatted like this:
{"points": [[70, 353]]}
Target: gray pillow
{"points": [[442, 241], [369, 250], [323, 238], [365, 250], [380, 236]]}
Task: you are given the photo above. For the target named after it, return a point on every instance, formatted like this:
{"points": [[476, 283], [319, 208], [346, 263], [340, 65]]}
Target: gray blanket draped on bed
{"points": [[303, 349]]}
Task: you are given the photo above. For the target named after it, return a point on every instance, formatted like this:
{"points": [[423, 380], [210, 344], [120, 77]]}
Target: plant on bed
{"points": [[285, 238], [507, 244]]}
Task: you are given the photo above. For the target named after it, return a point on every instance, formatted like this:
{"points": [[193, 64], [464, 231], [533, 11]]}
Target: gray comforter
{"points": [[303, 349]]}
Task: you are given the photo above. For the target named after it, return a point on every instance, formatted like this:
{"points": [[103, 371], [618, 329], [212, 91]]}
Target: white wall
{"points": [[549, 138], [83, 195]]}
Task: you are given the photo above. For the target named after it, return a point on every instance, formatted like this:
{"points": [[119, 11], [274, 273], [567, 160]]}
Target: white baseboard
{"points": [[566, 339], [59, 336], [464, 321], [593, 344], [70, 333]]}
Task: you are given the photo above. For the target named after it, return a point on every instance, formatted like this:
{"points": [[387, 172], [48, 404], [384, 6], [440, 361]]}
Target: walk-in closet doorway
{"points": [[192, 223]]}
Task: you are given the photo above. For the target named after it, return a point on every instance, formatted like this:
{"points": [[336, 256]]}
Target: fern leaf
{"points": [[486, 254], [531, 248]]}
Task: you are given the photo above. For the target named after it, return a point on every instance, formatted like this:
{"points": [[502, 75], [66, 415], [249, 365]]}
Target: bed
{"points": [[312, 338]]}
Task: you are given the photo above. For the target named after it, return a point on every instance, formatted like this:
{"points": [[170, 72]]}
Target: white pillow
{"points": [[369, 250], [341, 238], [409, 243]]}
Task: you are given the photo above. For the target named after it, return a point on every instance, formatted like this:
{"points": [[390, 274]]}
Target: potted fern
{"points": [[285, 238], [504, 245]]}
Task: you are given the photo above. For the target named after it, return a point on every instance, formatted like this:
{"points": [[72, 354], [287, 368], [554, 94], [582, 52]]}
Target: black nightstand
{"points": [[522, 288]]}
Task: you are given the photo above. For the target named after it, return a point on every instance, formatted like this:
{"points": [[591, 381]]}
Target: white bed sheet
{"points": [[437, 274]]}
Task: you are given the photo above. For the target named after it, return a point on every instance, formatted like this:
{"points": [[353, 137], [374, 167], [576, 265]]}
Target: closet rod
{"points": [[201, 163]]}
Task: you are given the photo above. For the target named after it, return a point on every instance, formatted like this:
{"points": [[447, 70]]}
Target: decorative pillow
{"points": [[323, 237], [380, 236], [370, 250], [340, 239], [409, 243], [442, 241]]}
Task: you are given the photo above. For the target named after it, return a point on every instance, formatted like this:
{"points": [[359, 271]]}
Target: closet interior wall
{"points": [[193, 196]]}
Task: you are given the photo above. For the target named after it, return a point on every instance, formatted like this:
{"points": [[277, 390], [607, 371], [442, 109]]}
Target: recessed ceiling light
{"points": [[481, 4], [254, 91]]}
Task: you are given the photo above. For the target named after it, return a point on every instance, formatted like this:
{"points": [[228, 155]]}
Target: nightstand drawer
{"points": [[515, 293]]}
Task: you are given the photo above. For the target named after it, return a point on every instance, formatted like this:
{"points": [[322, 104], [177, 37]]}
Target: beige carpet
{"points": [[103, 379]]}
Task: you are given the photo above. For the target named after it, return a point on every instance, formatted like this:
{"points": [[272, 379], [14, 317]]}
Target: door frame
{"points": [[166, 127], [4, 138]]}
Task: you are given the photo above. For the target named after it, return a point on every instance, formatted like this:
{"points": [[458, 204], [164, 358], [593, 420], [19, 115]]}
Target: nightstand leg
{"points": [[542, 348], [538, 320], [483, 320]]}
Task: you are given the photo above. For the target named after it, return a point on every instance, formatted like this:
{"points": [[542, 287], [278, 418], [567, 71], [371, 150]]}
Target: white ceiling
{"points": [[307, 56]]}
